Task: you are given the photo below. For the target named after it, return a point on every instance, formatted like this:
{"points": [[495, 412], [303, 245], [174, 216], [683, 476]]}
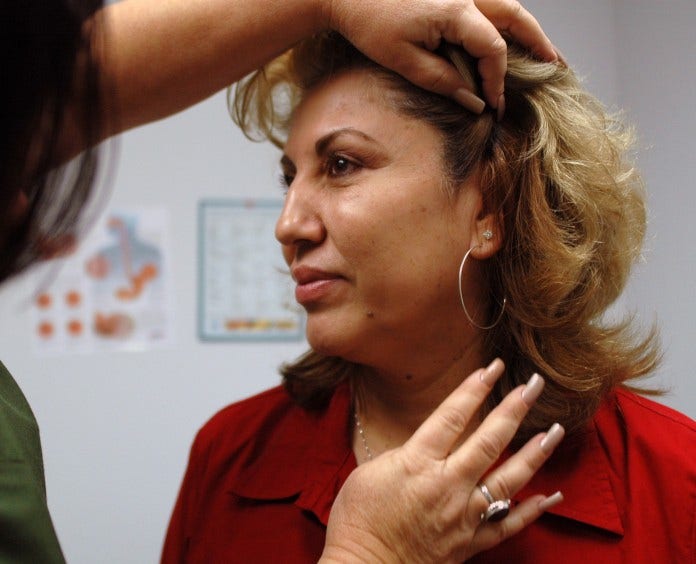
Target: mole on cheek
{"points": [[370, 314], [409, 376]]}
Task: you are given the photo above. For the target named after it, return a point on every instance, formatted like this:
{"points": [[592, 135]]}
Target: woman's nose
{"points": [[299, 221]]}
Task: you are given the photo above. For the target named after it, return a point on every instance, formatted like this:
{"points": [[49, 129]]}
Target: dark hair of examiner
{"points": [[51, 90]]}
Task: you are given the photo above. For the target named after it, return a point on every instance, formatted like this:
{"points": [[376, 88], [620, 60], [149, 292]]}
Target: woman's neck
{"points": [[391, 405]]}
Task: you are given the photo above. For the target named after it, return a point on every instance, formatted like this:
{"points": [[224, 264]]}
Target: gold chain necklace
{"points": [[361, 432]]}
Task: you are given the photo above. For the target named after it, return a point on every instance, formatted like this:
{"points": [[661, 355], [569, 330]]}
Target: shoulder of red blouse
{"points": [[252, 438], [632, 474]]}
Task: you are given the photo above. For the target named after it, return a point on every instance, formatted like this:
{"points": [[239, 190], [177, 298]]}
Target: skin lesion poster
{"points": [[245, 289], [112, 292]]}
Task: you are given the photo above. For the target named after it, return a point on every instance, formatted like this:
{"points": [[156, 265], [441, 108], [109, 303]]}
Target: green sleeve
{"points": [[26, 530]]}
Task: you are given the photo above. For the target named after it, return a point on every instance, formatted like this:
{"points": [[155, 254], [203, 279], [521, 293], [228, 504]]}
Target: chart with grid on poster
{"points": [[244, 289]]}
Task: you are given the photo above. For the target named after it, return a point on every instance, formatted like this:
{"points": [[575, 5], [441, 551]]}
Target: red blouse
{"points": [[263, 474]]}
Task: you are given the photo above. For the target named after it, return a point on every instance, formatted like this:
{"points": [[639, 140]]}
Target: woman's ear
{"points": [[487, 235], [486, 226]]}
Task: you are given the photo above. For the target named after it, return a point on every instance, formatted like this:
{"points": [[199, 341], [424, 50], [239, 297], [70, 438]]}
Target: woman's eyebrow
{"points": [[324, 142], [322, 145]]}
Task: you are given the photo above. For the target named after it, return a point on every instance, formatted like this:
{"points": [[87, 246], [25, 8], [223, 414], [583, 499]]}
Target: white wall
{"points": [[638, 56], [657, 83], [116, 427]]}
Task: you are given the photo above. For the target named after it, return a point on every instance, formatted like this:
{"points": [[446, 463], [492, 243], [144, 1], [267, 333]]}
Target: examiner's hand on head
{"points": [[402, 35], [422, 502], [242, 35]]}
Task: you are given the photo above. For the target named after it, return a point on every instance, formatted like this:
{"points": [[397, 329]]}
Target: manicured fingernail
{"points": [[550, 501], [501, 108], [532, 389], [561, 58], [469, 100], [492, 372], [553, 436]]}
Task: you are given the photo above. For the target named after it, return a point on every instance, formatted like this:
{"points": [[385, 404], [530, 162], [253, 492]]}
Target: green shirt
{"points": [[26, 531]]}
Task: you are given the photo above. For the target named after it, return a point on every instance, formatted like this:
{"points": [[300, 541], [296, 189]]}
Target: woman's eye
{"points": [[340, 166]]}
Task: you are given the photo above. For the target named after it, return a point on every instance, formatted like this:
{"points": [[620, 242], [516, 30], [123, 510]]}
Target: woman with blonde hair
{"points": [[77, 71], [425, 242]]}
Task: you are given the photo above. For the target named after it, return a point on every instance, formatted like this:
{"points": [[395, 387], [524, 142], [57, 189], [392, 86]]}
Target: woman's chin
{"points": [[329, 341], [325, 345]]}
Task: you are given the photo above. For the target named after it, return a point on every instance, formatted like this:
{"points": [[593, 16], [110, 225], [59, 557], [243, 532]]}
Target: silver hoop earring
{"points": [[461, 299]]}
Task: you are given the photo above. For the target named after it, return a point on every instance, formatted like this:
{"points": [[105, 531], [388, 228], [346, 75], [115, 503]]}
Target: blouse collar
{"points": [[579, 468]]}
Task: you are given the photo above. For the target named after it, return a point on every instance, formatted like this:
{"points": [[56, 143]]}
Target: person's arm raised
{"points": [[162, 56]]}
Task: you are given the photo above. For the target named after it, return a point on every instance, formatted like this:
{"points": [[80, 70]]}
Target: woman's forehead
{"points": [[354, 98], [365, 86]]}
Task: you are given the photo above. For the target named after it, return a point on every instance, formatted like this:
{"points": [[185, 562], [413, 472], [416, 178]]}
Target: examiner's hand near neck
{"points": [[411, 504]]}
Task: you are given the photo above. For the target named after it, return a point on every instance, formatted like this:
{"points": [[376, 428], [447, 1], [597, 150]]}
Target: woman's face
{"points": [[372, 239]]}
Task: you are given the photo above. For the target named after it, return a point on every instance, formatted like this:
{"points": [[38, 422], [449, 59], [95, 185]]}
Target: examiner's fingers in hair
{"points": [[475, 32], [508, 16], [438, 434], [435, 73], [402, 35]]}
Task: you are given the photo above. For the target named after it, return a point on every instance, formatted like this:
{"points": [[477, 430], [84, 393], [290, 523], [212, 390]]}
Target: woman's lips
{"points": [[313, 284]]}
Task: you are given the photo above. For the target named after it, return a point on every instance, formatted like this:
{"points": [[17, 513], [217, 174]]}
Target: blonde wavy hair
{"points": [[557, 171]]}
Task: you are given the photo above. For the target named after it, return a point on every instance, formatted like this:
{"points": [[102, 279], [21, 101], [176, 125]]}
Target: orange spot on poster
{"points": [[45, 329], [75, 327]]}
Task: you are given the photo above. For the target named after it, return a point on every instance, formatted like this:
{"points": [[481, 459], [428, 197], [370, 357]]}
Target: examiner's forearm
{"points": [[157, 57], [161, 56]]}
